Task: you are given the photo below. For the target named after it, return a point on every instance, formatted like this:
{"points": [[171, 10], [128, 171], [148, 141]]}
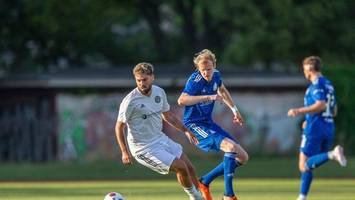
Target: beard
{"points": [[145, 90]]}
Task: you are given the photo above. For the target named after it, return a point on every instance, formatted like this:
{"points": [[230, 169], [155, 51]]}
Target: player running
{"points": [[318, 128], [142, 110], [202, 89]]}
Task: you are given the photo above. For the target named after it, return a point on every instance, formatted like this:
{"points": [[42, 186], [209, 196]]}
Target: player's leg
{"points": [[181, 169], [164, 157], [190, 169], [316, 160], [206, 179], [306, 165], [313, 153], [234, 156], [310, 146], [206, 143], [229, 145], [319, 153], [306, 177], [223, 141], [185, 171]]}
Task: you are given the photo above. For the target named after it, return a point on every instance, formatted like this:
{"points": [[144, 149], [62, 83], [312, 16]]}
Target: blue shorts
{"points": [[317, 139], [209, 135]]}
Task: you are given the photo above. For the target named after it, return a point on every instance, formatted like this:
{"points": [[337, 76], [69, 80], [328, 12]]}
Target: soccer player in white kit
{"points": [[142, 111]]}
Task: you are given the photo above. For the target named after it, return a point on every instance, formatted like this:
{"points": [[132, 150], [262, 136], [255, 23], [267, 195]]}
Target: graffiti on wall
{"points": [[86, 124]]}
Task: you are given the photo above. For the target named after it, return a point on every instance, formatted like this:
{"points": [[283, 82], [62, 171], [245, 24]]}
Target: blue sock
{"points": [[317, 160], [306, 180], [214, 173], [229, 166]]}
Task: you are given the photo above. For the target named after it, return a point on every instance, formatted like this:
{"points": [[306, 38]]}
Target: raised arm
{"points": [[171, 119], [227, 99], [121, 139]]}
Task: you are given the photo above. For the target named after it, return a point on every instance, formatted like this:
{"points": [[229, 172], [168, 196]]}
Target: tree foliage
{"points": [[52, 34], [343, 78]]}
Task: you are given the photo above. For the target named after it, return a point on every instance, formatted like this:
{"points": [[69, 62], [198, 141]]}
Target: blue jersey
{"points": [[320, 90], [196, 85]]}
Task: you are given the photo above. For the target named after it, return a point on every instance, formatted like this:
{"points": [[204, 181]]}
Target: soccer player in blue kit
{"points": [[318, 128], [202, 89]]}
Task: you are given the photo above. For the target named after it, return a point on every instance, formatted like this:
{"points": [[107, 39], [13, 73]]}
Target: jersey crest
{"points": [[157, 99]]}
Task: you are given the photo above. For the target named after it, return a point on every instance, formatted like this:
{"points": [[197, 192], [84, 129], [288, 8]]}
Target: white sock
{"points": [[331, 155], [193, 192], [301, 197]]}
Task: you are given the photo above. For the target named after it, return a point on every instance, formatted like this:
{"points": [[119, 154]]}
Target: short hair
{"points": [[314, 61], [205, 54], [143, 68]]}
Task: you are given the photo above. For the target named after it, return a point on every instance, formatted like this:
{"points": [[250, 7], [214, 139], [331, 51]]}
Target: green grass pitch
{"points": [[273, 178], [247, 189]]}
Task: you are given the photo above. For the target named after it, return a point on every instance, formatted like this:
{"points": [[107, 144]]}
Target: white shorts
{"points": [[160, 156]]}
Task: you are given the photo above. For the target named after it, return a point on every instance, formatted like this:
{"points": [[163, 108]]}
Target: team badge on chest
{"points": [[157, 99]]}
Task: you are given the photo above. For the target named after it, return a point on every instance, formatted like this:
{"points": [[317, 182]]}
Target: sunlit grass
{"points": [[247, 189]]}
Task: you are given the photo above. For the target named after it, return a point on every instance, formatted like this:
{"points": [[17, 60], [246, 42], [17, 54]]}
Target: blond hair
{"points": [[143, 68], [315, 62], [204, 54]]}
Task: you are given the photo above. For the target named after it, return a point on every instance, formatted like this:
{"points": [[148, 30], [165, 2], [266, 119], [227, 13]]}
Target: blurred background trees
{"points": [[49, 35]]}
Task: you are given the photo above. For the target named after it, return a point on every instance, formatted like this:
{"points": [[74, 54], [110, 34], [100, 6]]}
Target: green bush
{"points": [[343, 78]]}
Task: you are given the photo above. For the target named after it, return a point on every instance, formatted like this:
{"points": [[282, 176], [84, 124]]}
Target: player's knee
{"points": [[230, 147], [179, 166], [302, 167], [243, 157], [246, 157]]}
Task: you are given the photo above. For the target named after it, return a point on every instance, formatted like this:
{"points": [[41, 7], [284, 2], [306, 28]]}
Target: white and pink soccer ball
{"points": [[113, 196]]}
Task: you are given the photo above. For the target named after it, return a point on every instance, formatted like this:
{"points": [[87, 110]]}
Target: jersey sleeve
{"points": [[319, 92], [166, 106], [192, 86], [125, 111]]}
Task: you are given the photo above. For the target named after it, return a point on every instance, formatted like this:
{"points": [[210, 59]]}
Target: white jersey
{"points": [[143, 116]]}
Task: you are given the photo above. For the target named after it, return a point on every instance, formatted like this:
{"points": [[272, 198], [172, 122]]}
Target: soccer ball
{"points": [[113, 196]]}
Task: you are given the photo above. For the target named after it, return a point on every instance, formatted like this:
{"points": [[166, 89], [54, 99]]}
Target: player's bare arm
{"points": [[188, 100], [121, 139], [317, 107], [227, 99], [171, 119]]}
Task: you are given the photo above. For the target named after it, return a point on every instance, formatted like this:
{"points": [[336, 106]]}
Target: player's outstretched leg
{"points": [[336, 154], [182, 174], [307, 165], [192, 173], [206, 179]]}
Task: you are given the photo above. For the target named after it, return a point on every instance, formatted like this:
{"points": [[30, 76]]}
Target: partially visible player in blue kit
{"points": [[202, 89], [318, 128]]}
